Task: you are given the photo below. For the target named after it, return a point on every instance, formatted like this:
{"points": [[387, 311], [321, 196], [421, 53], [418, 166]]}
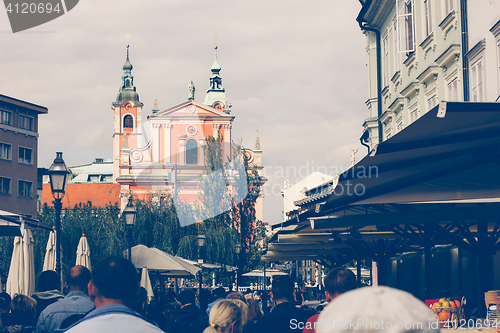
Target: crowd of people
{"points": [[110, 300]]}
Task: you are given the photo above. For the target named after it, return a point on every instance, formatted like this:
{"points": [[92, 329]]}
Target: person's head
{"points": [[282, 289], [5, 303], [219, 293], [338, 281], [236, 295], [78, 278], [243, 309], [186, 297], [140, 301], [23, 306], [225, 317], [254, 312], [114, 280], [371, 307], [48, 280]]}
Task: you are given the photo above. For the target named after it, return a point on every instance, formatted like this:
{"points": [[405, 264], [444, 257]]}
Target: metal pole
{"points": [[200, 283], [129, 236], [58, 207]]}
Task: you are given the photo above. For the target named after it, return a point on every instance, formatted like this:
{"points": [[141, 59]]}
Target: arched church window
{"points": [[127, 83], [191, 152], [128, 121]]}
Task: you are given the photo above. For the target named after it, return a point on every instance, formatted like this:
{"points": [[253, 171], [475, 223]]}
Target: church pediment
{"points": [[189, 109]]}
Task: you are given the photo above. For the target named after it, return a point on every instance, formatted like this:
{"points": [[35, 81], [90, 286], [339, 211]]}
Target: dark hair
{"points": [[282, 287], [340, 280], [79, 276], [116, 278], [219, 292], [49, 280], [5, 301], [186, 296]]}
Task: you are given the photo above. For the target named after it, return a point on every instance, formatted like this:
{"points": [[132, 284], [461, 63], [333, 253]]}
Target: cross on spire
{"points": [[216, 39]]}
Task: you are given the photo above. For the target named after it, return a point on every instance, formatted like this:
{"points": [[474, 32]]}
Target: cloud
{"points": [[294, 70]]}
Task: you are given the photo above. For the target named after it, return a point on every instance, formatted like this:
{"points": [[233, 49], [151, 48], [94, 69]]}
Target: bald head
{"points": [[78, 278]]}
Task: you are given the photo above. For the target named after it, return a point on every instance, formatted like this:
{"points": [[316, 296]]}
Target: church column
{"points": [[168, 152], [227, 141], [215, 128], [182, 151], [201, 150], [155, 136]]}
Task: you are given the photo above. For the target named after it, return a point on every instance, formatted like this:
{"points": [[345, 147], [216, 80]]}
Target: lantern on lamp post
{"points": [[129, 213], [58, 174]]}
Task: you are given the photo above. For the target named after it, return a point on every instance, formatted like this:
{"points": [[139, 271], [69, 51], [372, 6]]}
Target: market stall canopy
{"points": [[443, 169], [158, 261], [10, 224], [204, 265], [269, 272]]}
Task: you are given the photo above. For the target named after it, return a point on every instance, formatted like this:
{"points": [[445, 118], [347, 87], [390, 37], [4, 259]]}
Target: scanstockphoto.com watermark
{"points": [[282, 178], [361, 324], [26, 14]]}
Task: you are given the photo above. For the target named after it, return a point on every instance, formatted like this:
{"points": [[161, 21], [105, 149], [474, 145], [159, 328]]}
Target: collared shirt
{"points": [[76, 302], [113, 318]]}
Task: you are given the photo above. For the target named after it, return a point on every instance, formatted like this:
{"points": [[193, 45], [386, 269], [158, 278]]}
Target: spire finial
{"points": [[191, 91], [127, 36], [155, 106], [257, 141]]}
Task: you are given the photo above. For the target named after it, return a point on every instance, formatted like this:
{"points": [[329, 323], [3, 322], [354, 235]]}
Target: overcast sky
{"points": [[294, 70]]}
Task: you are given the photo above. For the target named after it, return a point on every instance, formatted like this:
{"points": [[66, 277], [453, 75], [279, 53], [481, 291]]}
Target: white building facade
{"points": [[421, 52]]}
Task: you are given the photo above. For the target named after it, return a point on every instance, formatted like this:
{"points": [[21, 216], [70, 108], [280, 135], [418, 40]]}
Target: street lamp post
{"points": [[201, 243], [264, 301], [129, 213], [58, 174], [237, 250]]}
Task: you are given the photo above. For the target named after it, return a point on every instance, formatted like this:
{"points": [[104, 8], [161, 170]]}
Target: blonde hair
{"points": [[223, 314], [243, 309]]}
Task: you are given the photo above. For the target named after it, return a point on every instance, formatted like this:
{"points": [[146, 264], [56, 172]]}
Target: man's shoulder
{"points": [[114, 322]]}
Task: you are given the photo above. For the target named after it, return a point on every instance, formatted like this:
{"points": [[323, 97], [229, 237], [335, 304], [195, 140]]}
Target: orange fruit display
{"points": [[457, 303], [444, 315], [446, 304], [452, 304]]}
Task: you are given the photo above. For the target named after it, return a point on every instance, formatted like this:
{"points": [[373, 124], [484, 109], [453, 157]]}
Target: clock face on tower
{"points": [[218, 105]]}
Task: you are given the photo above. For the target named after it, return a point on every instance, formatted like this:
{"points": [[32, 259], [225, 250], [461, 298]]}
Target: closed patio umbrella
{"points": [[146, 283], [21, 278], [49, 263], [83, 252]]}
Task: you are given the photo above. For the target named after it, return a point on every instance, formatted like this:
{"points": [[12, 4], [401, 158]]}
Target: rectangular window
{"points": [[94, 179], [5, 151], [397, 66], [4, 185], [428, 17], [476, 81], [25, 155], [6, 117], [25, 122], [25, 189], [385, 60], [399, 126], [453, 90], [431, 102], [449, 6], [388, 132]]}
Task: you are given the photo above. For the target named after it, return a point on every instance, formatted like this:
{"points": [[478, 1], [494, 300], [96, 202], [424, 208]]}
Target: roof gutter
{"points": [[465, 48], [361, 20]]}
